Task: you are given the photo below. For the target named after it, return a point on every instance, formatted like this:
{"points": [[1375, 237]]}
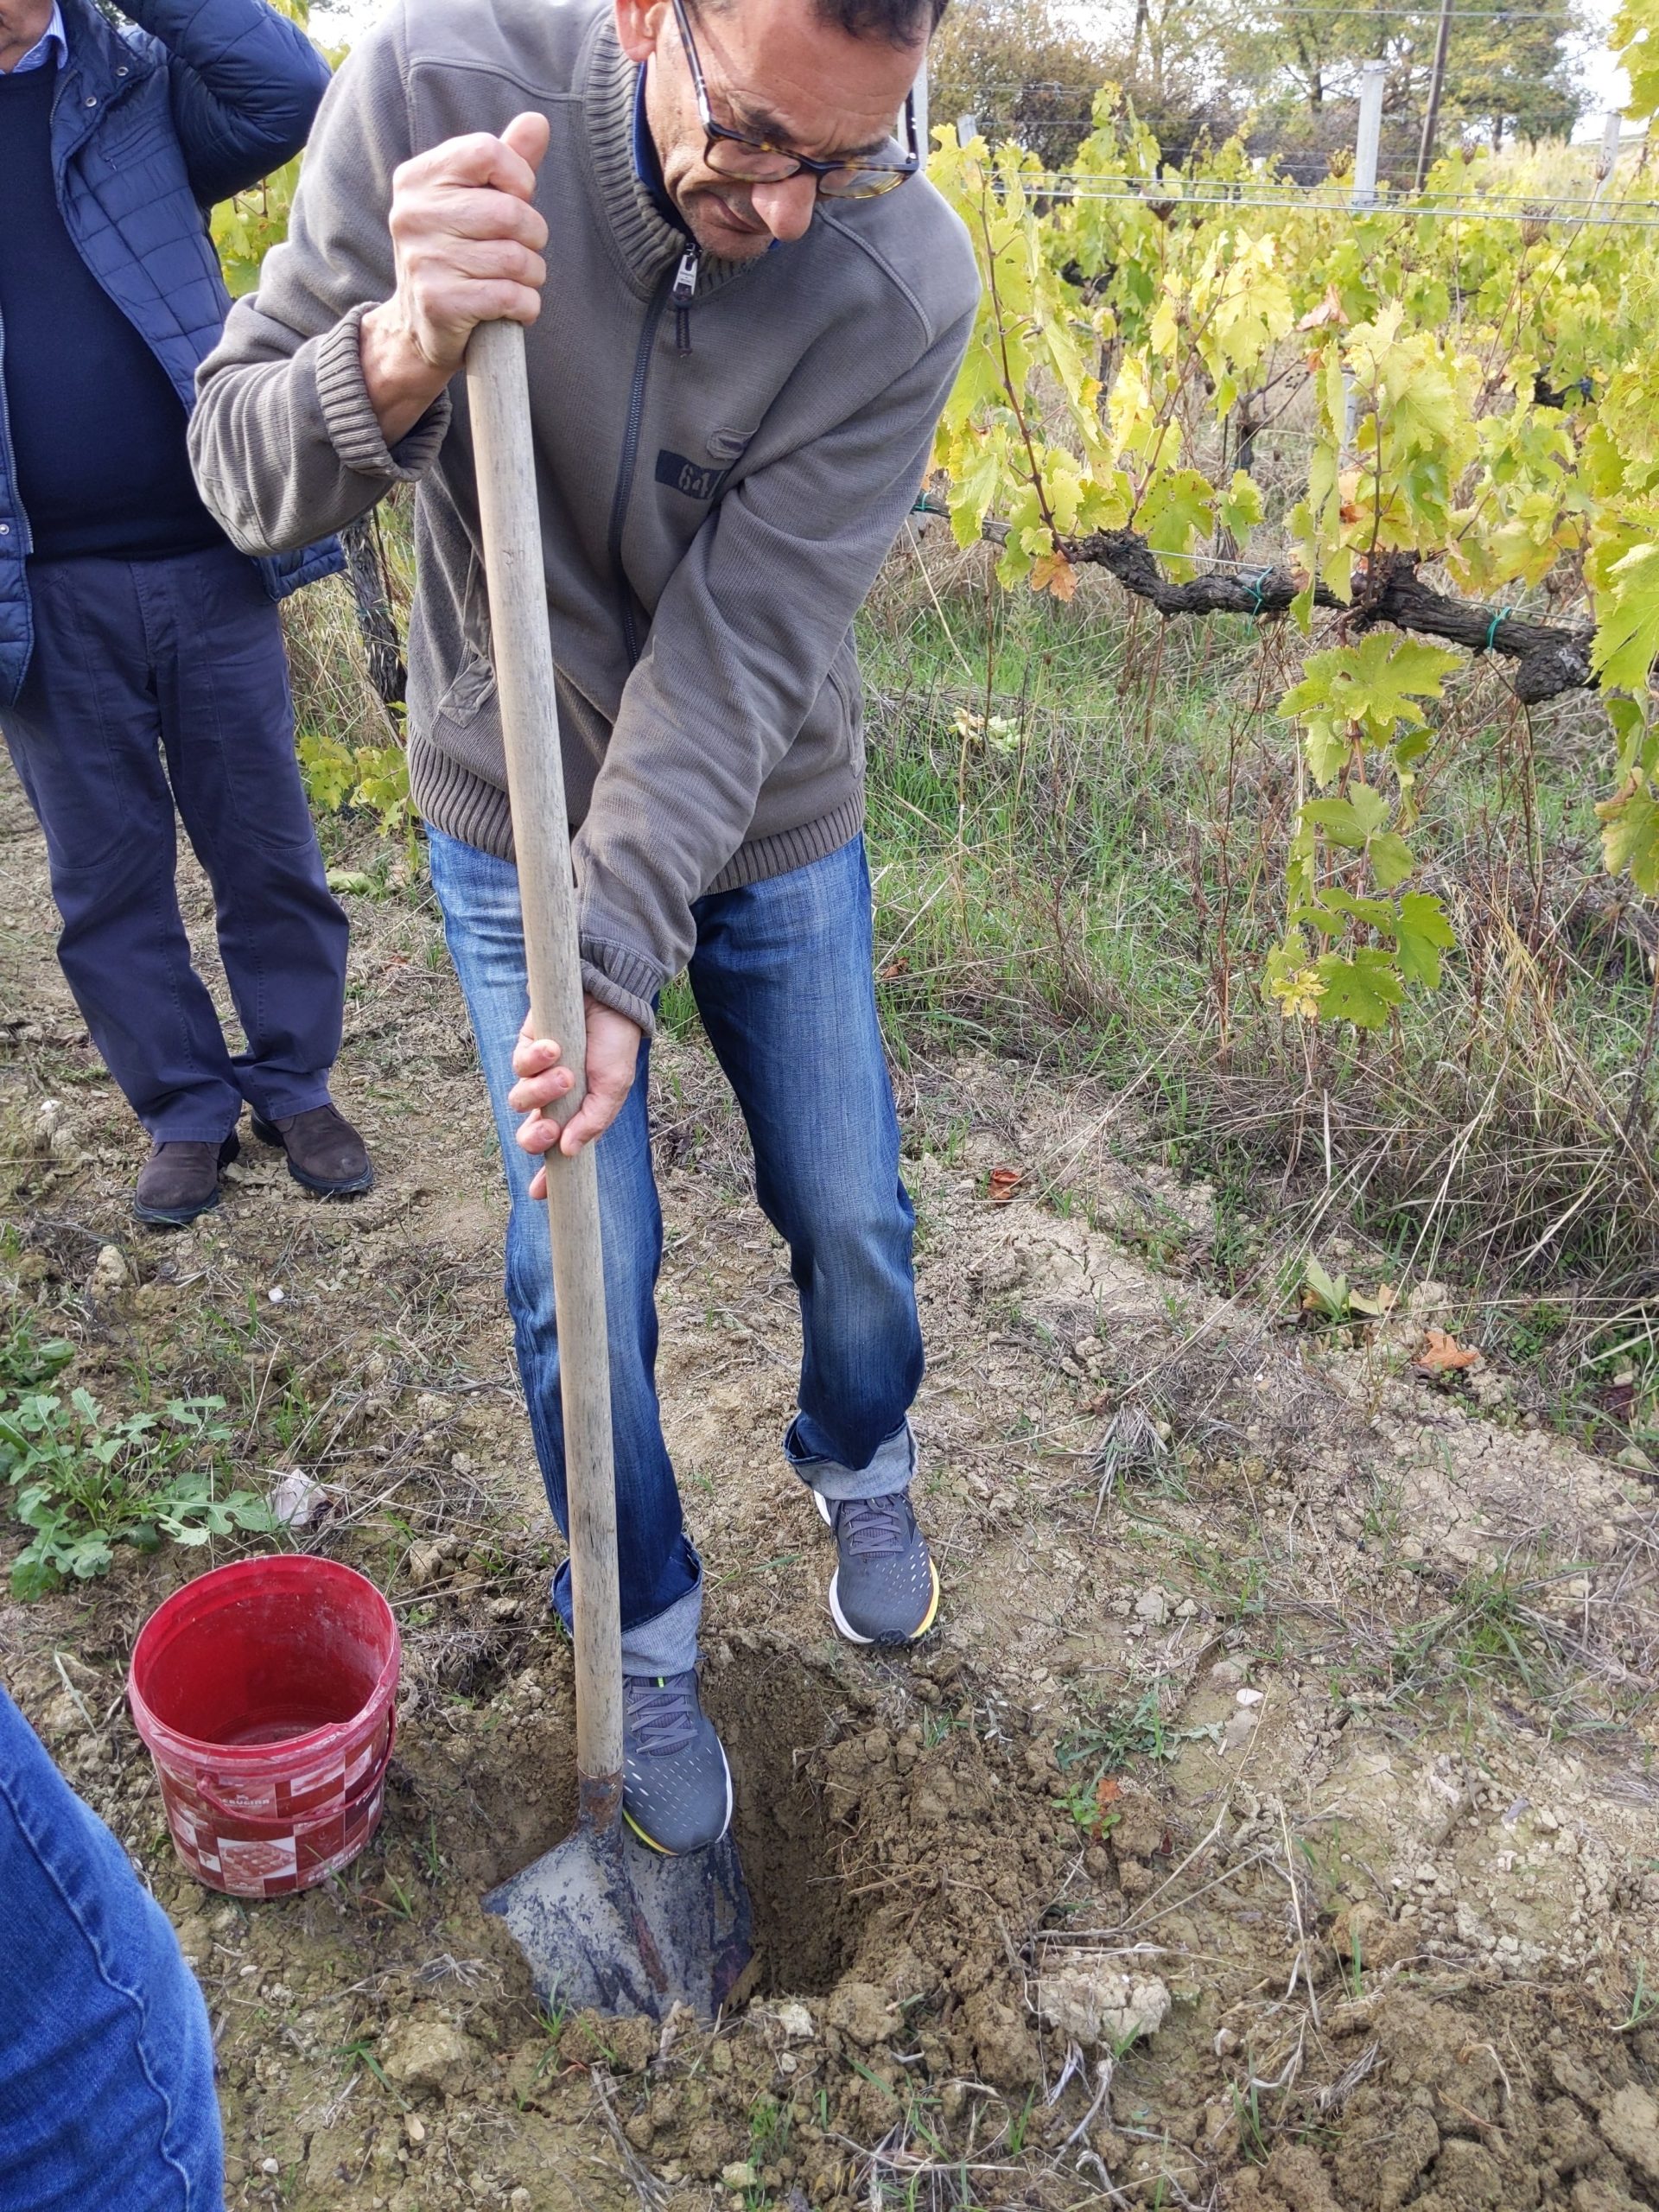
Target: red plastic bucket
{"points": [[266, 1694]]}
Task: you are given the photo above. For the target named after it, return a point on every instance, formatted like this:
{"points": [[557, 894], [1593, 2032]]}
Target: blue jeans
{"points": [[107, 2062], [157, 684], [782, 978]]}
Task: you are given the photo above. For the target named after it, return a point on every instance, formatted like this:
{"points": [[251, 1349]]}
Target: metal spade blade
{"points": [[604, 1921]]}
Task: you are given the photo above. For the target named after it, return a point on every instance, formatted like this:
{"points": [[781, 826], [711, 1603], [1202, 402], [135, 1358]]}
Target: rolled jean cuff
{"points": [[891, 1469], [664, 1644]]}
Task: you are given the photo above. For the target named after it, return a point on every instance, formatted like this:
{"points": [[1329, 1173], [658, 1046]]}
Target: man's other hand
{"points": [[466, 248], [612, 1055]]}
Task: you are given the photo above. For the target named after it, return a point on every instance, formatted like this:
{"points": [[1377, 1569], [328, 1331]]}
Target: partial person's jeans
{"points": [[782, 978], [106, 2060]]}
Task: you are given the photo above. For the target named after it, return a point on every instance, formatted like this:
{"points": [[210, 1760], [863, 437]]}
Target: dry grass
{"points": [[1082, 817], [1079, 818]]}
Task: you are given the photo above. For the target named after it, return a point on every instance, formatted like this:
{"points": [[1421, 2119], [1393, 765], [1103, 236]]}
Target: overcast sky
{"points": [[1609, 86]]}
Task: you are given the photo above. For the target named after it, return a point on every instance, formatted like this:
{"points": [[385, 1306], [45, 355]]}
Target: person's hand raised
{"points": [[466, 248]]}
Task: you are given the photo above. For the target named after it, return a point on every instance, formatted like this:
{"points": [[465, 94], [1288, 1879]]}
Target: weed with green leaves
{"points": [[83, 1483]]}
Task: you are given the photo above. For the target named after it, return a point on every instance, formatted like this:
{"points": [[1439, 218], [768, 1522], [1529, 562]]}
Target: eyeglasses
{"points": [[753, 161]]}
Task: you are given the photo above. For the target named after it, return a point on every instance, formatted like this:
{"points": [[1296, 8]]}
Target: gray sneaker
{"points": [[676, 1787], [885, 1587]]}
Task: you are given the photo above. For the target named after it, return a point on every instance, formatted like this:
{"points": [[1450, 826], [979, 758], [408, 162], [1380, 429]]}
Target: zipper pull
{"points": [[684, 292]]}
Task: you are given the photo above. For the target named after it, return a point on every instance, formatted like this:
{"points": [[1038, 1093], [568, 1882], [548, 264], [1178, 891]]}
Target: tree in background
{"points": [[1024, 72], [1514, 75], [1285, 76], [1517, 75]]}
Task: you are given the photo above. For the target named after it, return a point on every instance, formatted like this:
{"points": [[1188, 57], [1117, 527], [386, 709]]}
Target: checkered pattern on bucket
{"points": [[264, 1839]]}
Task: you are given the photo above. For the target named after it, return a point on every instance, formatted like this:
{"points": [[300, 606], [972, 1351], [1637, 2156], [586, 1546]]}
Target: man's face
{"points": [[775, 71], [21, 23]]}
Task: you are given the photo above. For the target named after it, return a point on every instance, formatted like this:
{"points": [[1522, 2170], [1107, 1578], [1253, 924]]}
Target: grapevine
{"points": [[1466, 391]]}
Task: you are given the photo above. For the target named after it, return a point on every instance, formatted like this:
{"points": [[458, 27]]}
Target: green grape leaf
{"points": [[1391, 858], [1362, 989], [1349, 822], [1175, 507], [1422, 934], [1378, 912]]}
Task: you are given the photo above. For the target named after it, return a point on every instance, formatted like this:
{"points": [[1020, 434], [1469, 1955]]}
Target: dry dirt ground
{"points": [[1269, 1824]]}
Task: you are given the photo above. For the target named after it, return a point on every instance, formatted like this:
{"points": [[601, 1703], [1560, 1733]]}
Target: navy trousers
{"points": [[161, 683]]}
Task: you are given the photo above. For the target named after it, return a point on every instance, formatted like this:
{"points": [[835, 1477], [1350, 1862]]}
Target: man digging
{"points": [[746, 308]]}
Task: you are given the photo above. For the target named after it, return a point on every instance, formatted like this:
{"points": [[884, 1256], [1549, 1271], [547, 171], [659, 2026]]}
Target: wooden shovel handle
{"points": [[497, 398]]}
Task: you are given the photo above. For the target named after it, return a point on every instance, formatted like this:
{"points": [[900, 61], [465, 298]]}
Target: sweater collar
{"points": [[647, 242], [647, 163]]}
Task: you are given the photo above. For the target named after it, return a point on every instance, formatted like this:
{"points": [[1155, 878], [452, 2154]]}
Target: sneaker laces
{"points": [[663, 1712], [875, 1527]]}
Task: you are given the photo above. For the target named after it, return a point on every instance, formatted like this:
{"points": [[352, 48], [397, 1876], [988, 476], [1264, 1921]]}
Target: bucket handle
{"points": [[239, 1813]]}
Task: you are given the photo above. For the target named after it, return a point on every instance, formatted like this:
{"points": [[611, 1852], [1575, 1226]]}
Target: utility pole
{"points": [[1436, 79]]}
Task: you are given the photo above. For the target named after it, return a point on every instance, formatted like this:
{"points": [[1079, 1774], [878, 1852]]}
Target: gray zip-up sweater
{"points": [[725, 454]]}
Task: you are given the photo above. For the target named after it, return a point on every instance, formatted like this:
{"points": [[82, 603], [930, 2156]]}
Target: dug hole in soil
{"points": [[1217, 1850]]}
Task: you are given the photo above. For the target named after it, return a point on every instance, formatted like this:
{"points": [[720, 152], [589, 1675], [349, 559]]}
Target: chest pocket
{"points": [[138, 127]]}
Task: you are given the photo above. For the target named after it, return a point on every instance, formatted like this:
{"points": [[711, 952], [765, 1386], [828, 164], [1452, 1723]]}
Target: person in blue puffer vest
{"points": [[141, 657]]}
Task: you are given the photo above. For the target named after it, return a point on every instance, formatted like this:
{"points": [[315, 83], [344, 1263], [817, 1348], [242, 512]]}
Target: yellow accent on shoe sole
{"points": [[916, 1634], [650, 1841], [933, 1608], [662, 1849]]}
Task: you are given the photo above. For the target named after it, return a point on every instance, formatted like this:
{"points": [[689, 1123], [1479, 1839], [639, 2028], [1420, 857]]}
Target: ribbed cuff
{"points": [[622, 980], [349, 417], [452, 799], [761, 858]]}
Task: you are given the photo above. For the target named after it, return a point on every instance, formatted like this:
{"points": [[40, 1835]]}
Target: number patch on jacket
{"points": [[696, 479]]}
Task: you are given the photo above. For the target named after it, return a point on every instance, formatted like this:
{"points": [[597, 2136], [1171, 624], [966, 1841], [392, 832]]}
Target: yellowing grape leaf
{"points": [[1329, 310], [1635, 39], [1630, 836], [1383, 678], [1054, 573], [1175, 507], [1239, 508], [1627, 628]]}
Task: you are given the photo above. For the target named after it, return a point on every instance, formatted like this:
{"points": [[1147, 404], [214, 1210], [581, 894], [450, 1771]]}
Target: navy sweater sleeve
{"points": [[245, 86]]}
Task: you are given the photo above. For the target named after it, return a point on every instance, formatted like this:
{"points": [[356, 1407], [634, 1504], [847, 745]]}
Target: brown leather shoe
{"points": [[179, 1181], [324, 1151]]}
